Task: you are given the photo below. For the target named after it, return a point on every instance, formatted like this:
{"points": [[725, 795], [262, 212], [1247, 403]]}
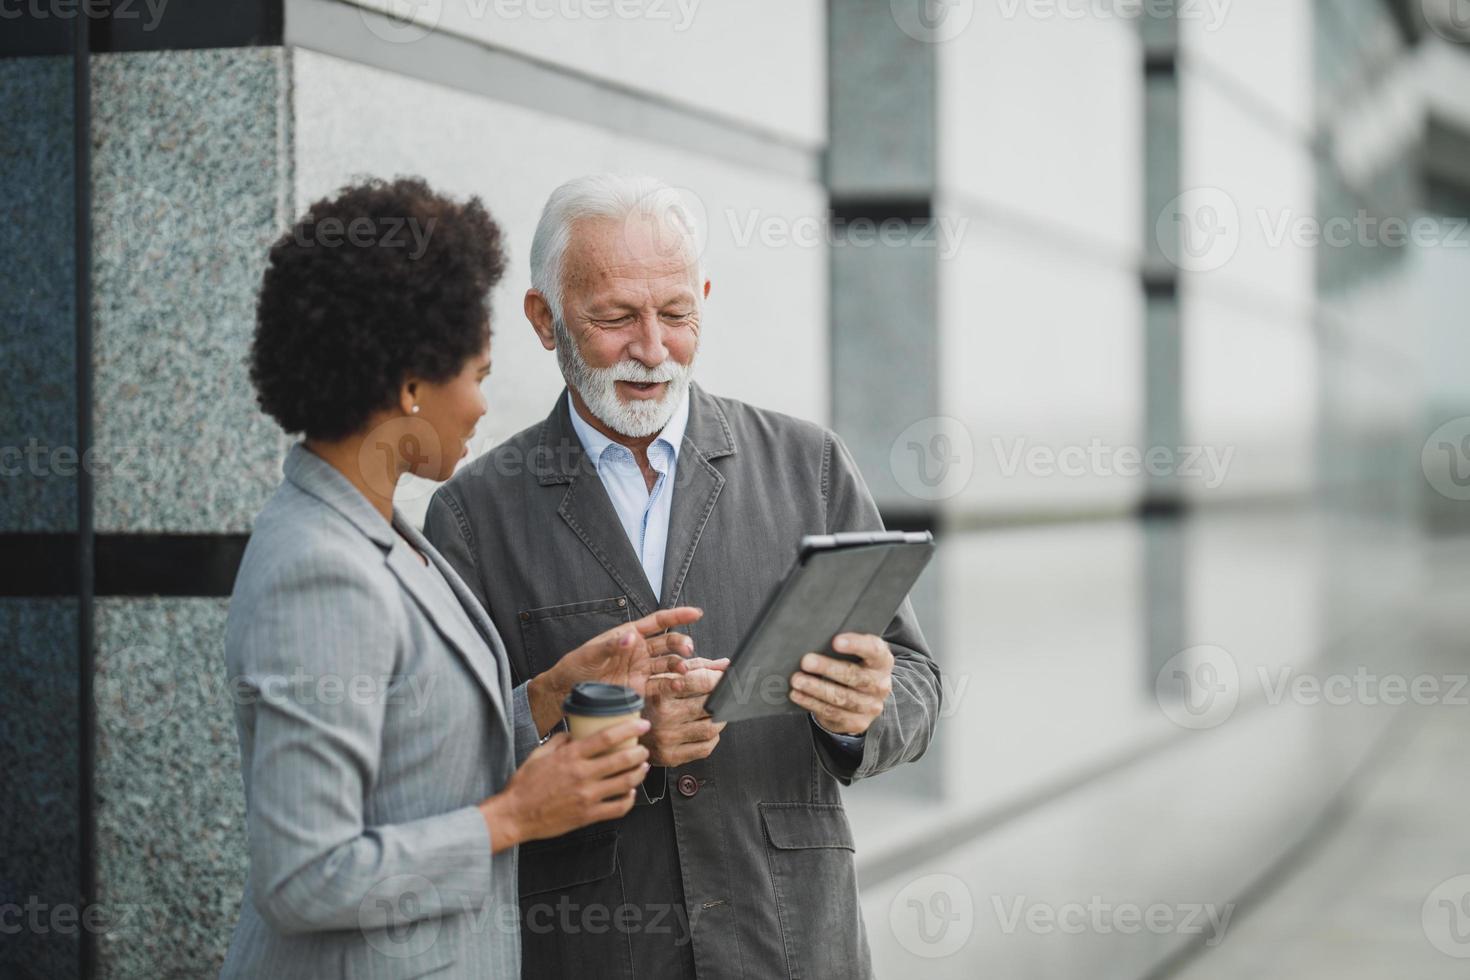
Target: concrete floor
{"points": [[1387, 893]]}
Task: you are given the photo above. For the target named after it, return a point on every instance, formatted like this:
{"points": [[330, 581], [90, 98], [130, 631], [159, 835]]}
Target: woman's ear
{"points": [[408, 396]]}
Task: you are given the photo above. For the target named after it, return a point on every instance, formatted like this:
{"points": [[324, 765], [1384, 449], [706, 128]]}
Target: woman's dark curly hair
{"points": [[385, 281]]}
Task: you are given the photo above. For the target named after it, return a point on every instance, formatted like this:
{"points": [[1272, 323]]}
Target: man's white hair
{"points": [[612, 196]]}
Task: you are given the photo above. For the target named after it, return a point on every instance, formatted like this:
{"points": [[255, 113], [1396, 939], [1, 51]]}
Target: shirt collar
{"points": [[594, 443]]}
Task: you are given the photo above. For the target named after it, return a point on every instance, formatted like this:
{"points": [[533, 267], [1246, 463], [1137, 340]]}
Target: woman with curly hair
{"points": [[379, 734]]}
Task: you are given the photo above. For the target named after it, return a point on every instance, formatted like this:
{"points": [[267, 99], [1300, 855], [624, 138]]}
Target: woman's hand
{"points": [[566, 784], [628, 655]]}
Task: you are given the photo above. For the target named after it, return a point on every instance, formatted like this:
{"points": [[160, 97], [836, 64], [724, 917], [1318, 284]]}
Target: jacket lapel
{"points": [[316, 476], [697, 486], [495, 678], [586, 508]]}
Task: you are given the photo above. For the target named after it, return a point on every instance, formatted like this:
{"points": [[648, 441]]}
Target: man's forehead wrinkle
{"points": [[632, 280]]}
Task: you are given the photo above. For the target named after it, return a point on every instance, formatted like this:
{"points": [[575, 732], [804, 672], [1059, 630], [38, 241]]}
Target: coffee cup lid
{"points": [[594, 699]]}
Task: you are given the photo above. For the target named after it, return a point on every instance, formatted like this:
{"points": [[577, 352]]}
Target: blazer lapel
{"points": [[697, 486], [586, 508], [450, 626], [477, 613], [317, 477]]}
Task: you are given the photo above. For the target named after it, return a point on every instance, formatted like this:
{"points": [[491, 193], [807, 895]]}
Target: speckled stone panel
{"points": [[37, 297], [192, 183], [38, 787], [170, 803]]}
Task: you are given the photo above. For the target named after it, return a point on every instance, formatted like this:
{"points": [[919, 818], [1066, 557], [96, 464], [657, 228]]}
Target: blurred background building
{"points": [[1155, 310]]}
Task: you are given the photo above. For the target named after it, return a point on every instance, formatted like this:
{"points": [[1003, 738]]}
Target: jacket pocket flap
{"points": [[612, 604], [562, 864], [796, 826]]}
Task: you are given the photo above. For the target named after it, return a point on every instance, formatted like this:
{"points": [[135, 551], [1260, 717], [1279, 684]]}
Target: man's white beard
{"points": [[636, 419]]}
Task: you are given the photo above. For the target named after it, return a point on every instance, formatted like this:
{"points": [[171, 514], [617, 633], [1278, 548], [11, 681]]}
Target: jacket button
{"points": [[622, 603], [687, 785]]}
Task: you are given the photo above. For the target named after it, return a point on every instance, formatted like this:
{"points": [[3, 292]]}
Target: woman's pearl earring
{"points": [[415, 410]]}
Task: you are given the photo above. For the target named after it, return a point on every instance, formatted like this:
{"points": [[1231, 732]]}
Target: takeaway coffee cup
{"points": [[591, 707]]}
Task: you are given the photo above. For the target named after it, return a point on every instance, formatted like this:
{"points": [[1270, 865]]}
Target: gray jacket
{"points": [[744, 866], [374, 708]]}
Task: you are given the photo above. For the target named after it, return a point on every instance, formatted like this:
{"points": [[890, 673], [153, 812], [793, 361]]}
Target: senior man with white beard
{"points": [[643, 491]]}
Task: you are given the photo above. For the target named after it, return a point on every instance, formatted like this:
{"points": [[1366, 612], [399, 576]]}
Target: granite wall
{"points": [[39, 716]]}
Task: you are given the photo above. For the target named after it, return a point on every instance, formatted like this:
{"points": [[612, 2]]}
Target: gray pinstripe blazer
{"points": [[374, 711]]}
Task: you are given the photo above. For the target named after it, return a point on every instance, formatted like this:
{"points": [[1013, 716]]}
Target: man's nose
{"points": [[648, 346]]}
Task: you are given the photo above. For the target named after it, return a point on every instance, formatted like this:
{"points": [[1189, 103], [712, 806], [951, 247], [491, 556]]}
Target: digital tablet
{"points": [[841, 583]]}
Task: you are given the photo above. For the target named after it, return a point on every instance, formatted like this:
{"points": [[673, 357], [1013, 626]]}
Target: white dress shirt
{"points": [[644, 513]]}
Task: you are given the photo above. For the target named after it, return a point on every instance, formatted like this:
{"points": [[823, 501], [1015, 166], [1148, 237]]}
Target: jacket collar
{"points": [[314, 475], [559, 456]]}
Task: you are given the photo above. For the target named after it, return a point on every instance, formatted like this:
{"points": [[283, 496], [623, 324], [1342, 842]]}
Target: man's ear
{"points": [[538, 311]]}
